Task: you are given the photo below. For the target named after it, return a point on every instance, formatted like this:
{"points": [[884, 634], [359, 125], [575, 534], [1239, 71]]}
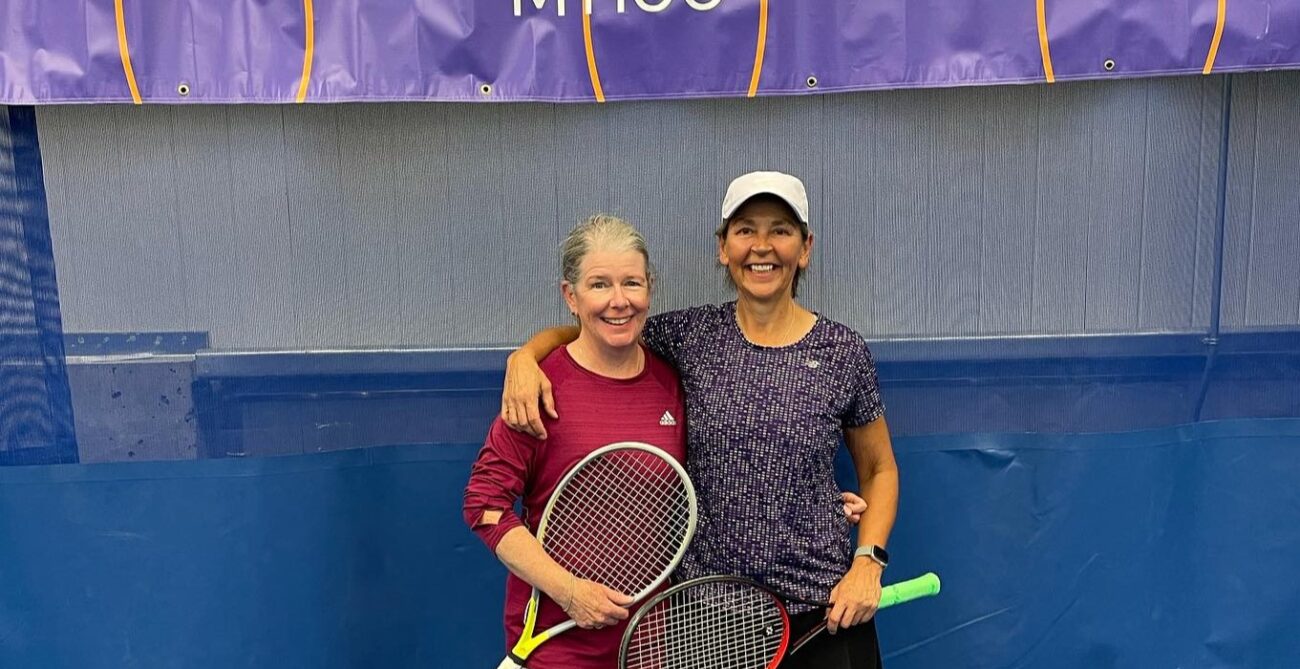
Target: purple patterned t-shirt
{"points": [[763, 426]]}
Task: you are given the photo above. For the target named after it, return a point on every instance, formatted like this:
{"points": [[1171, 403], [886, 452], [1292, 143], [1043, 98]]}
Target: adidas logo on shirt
{"points": [[667, 419]]}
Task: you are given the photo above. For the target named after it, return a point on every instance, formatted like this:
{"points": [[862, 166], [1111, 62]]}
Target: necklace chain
{"points": [[781, 339]]}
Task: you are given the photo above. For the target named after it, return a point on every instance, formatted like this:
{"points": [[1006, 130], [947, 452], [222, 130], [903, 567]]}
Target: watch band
{"points": [[874, 553]]}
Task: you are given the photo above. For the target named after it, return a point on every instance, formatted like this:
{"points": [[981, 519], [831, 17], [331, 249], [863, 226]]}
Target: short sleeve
{"points": [[866, 404]]}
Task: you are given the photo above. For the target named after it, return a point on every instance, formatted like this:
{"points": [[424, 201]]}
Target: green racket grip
{"points": [[902, 592]]}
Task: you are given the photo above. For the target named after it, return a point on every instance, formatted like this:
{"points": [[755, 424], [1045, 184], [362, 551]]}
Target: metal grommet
{"points": [[812, 82], [183, 89], [485, 89], [1109, 64]]}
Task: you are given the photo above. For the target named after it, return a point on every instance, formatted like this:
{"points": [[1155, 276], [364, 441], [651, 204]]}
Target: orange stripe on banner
{"points": [[309, 49], [1218, 35], [1042, 42], [758, 52], [591, 53], [124, 51]]}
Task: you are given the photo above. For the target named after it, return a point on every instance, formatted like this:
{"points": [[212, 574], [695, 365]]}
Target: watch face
{"points": [[875, 553]]}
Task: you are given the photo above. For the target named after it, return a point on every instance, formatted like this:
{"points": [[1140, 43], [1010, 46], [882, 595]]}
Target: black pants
{"points": [[853, 648]]}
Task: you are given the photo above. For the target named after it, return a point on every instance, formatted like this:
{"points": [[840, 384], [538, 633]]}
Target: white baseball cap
{"points": [[788, 188]]}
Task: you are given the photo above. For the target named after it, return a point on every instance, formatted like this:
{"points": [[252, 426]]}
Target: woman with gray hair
{"points": [[607, 284]]}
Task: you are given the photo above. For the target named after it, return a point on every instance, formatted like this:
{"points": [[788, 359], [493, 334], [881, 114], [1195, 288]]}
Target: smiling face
{"points": [[764, 248], [611, 299]]}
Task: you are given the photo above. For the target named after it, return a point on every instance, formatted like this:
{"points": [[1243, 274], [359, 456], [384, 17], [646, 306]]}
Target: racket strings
{"points": [[717, 625], [628, 516], [620, 521]]}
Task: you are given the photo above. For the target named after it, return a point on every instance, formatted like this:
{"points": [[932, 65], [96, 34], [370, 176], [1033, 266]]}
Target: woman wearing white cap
{"points": [[771, 388]]}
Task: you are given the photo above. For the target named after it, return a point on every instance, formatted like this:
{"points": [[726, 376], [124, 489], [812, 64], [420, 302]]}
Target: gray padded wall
{"points": [[1261, 269], [1011, 210]]}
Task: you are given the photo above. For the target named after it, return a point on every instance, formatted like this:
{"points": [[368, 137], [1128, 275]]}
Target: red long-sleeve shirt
{"points": [[594, 411]]}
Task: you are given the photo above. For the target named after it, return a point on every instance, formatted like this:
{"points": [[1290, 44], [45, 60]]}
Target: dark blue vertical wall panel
{"points": [[35, 403]]}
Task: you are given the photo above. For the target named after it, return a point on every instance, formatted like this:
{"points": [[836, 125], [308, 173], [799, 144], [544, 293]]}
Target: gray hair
{"points": [[605, 232]]}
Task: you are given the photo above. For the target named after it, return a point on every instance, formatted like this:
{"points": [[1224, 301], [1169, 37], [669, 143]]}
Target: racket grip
{"points": [[509, 663], [926, 585]]}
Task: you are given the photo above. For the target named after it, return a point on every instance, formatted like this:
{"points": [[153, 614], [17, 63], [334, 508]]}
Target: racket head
{"points": [[714, 622], [622, 517]]}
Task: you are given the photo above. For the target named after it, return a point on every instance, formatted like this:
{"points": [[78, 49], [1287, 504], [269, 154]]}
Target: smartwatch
{"points": [[874, 553]]}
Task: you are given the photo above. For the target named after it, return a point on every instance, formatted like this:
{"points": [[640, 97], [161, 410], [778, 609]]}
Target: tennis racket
{"points": [[622, 517], [727, 622]]}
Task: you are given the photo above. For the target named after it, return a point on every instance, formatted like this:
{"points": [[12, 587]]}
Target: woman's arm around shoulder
{"points": [[527, 391]]}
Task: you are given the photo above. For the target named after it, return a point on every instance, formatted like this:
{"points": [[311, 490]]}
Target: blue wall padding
{"points": [[1162, 548], [1165, 548], [285, 403], [349, 559]]}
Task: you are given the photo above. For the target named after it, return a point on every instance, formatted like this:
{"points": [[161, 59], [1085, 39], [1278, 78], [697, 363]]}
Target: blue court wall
{"points": [[1170, 547], [1072, 526]]}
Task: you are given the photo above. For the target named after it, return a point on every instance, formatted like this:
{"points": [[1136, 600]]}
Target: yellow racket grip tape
{"points": [[926, 585], [528, 644]]}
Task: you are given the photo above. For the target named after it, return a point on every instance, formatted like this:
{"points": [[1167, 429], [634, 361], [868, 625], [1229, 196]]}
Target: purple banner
{"points": [[276, 51]]}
